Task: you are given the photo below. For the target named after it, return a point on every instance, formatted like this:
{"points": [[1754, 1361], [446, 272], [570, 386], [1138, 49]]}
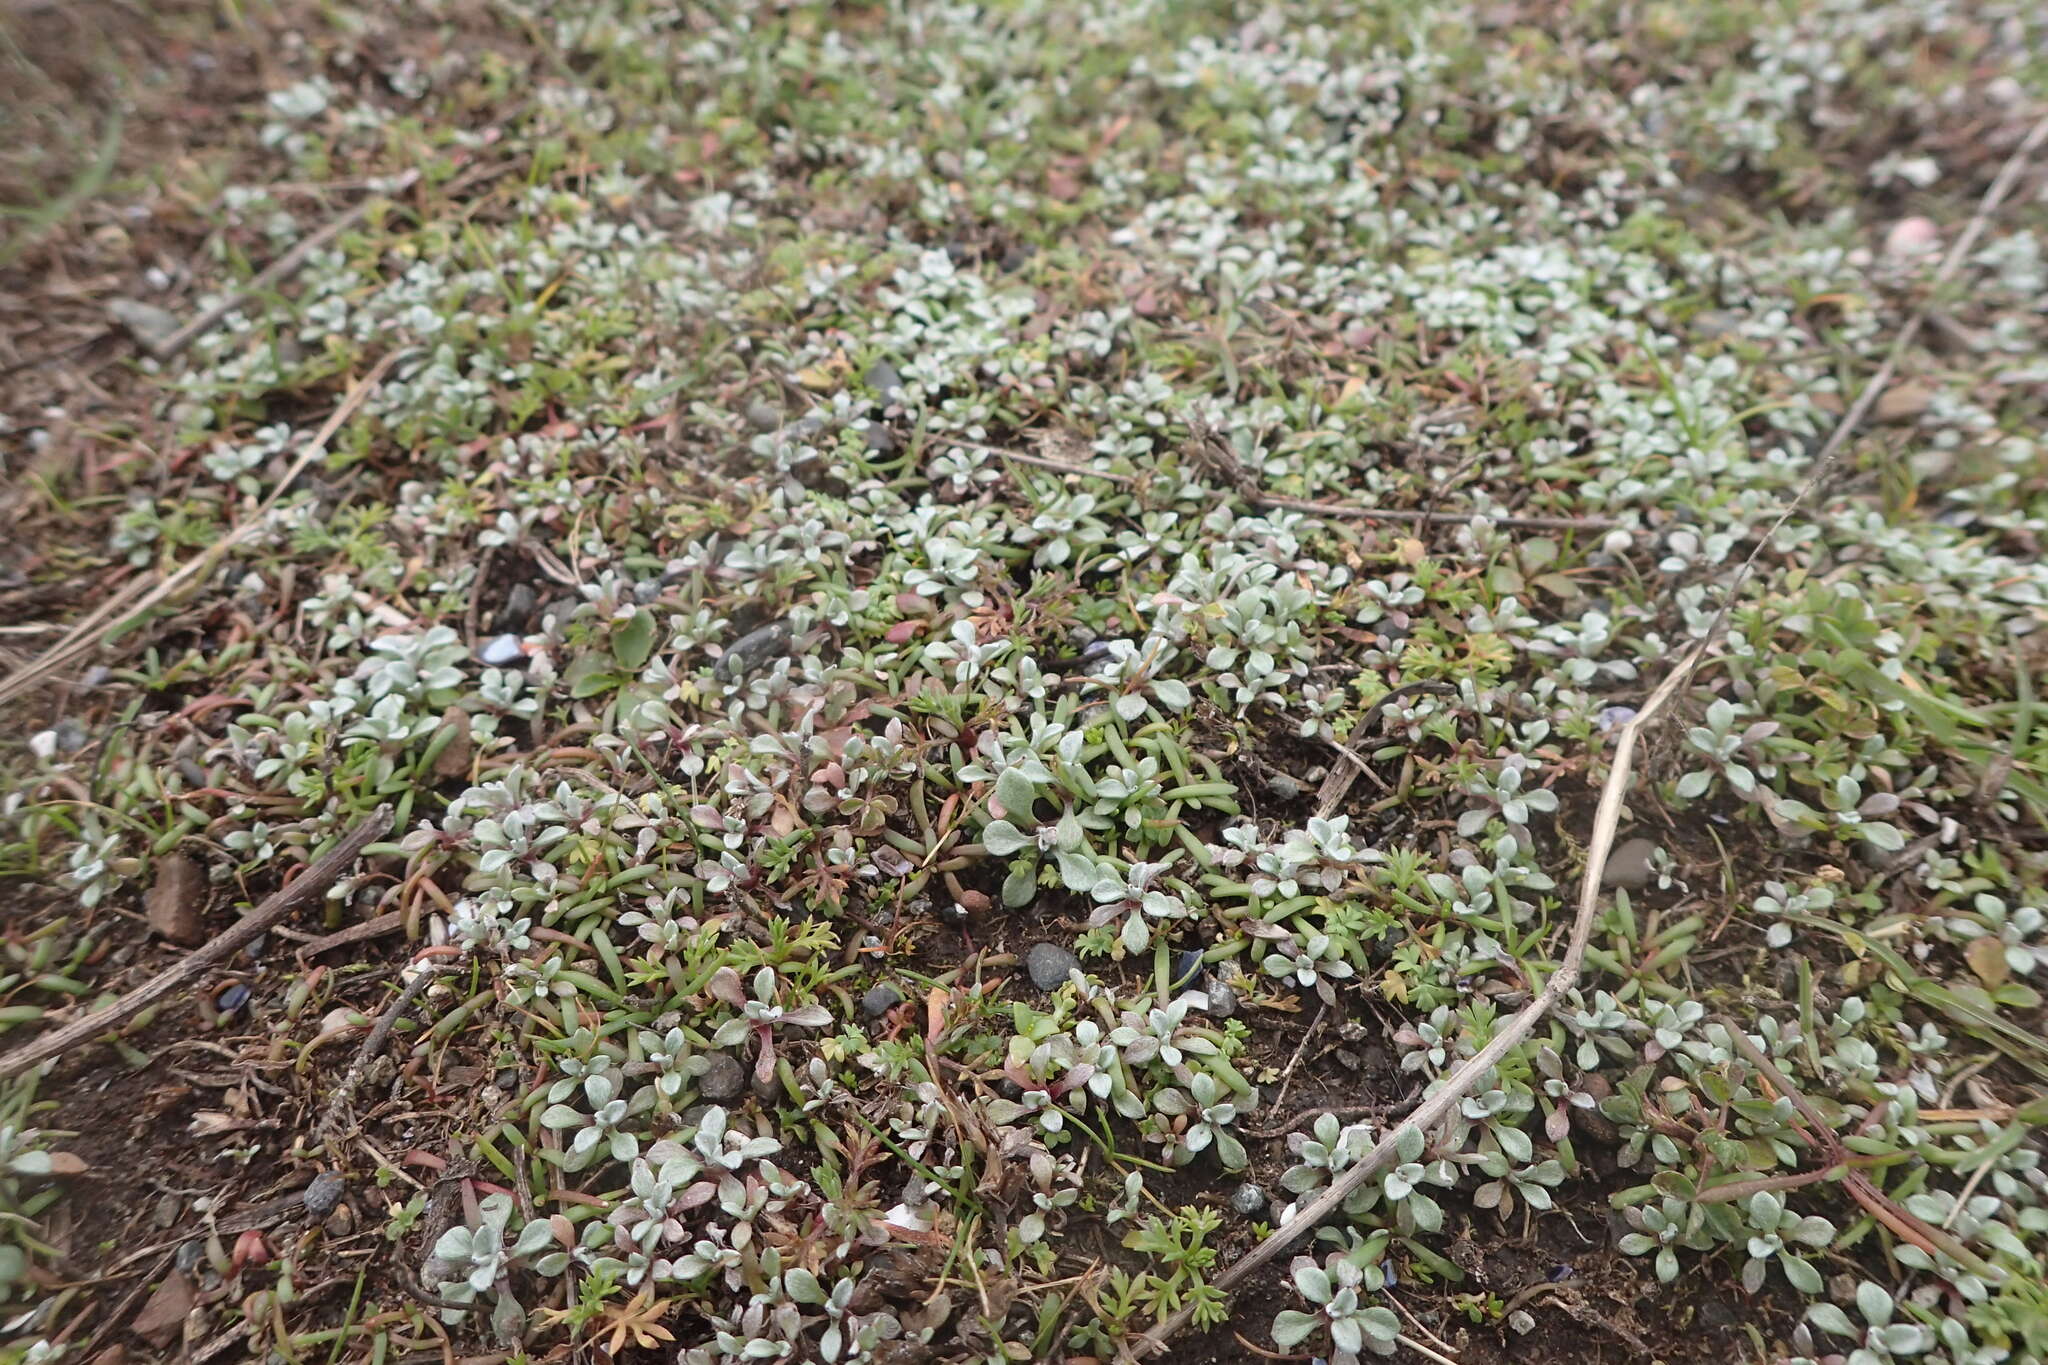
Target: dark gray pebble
{"points": [[1222, 1001], [1249, 1200], [324, 1193], [1048, 964], [1629, 865], [518, 608], [883, 379], [753, 649], [879, 1001], [723, 1080]]}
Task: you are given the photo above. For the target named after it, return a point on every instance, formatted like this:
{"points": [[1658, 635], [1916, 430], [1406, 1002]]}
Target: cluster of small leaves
{"points": [[735, 690]]}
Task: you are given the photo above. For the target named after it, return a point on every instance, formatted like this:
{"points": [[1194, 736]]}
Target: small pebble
{"points": [[1911, 237], [147, 323], [883, 379], [176, 899], [723, 1080], [502, 652], [1222, 1001], [71, 736], [1612, 718], [324, 1193], [1629, 865], [1047, 964], [753, 649], [879, 1001], [232, 999], [1188, 969], [518, 608], [763, 416], [189, 1255], [880, 440], [1249, 1200]]}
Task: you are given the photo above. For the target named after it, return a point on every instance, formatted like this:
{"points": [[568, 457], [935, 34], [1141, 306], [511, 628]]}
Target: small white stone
{"points": [[1911, 237], [502, 652]]}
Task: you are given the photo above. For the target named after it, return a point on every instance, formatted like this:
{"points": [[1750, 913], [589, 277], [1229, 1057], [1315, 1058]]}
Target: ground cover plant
{"points": [[974, 644]]}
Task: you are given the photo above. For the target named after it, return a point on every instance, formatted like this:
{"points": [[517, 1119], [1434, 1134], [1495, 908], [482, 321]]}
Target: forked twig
{"points": [[132, 599], [284, 267], [330, 1123], [1460, 1083], [1875, 1202], [1606, 820], [308, 886]]}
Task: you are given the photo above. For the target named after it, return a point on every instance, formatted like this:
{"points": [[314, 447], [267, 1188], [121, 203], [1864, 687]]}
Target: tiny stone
{"points": [[1911, 237], [767, 1089], [1349, 1060], [1629, 865], [753, 649], [1047, 964], [167, 1210], [232, 999], [880, 440], [189, 1255], [763, 416], [883, 379], [502, 652], [1282, 786], [519, 605], [723, 1080], [147, 323], [71, 736], [879, 1001], [1188, 969], [175, 899], [324, 1193], [1612, 718], [1222, 1001], [1249, 1200]]}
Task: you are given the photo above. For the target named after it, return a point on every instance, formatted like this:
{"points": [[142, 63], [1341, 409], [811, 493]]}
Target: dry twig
{"points": [[284, 267], [307, 887], [1456, 1086], [132, 599], [372, 1045]]}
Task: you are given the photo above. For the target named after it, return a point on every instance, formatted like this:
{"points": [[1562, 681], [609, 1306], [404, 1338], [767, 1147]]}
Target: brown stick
{"points": [[308, 886], [1518, 523], [81, 638], [1605, 821], [1879, 1205], [367, 1053], [1459, 1083], [282, 268], [1326, 509]]}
